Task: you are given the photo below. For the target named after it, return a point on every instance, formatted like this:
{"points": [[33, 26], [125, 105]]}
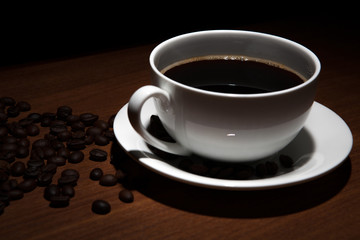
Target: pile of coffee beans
{"points": [[67, 135], [214, 169]]}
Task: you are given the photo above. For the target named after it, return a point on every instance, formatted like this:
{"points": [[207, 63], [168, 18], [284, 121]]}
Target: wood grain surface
{"points": [[326, 208]]}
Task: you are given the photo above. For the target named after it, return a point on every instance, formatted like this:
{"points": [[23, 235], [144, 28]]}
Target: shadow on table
{"points": [[232, 204]]}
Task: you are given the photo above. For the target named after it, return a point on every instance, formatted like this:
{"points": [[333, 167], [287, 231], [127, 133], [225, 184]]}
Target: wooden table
{"points": [[326, 208]]}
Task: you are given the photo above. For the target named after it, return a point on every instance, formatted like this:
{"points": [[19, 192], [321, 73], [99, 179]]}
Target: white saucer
{"points": [[320, 147]]}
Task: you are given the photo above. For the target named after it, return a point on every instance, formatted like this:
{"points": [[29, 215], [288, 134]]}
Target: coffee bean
{"points": [[41, 143], [23, 106], [98, 155], [68, 190], [120, 175], [70, 172], [3, 132], [17, 169], [44, 178], [50, 191], [15, 194], [72, 119], [67, 180], [260, 170], [22, 152], [8, 101], [286, 161], [32, 172], [36, 163], [76, 144], [101, 140], [111, 120], [88, 118], [271, 167], [48, 152], [101, 124], [64, 136], [58, 160], [59, 201], [64, 152], [94, 131], [27, 185], [78, 135], [77, 126], [8, 185], [13, 111], [32, 130], [126, 196], [63, 112], [23, 142], [35, 117], [101, 207], [108, 180], [19, 132], [49, 168], [96, 174], [3, 118], [76, 157], [56, 144]]}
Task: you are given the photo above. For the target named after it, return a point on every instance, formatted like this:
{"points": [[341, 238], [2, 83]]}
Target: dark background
{"points": [[40, 33]]}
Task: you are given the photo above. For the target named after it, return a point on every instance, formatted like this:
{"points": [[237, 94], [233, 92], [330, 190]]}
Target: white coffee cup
{"points": [[222, 126]]}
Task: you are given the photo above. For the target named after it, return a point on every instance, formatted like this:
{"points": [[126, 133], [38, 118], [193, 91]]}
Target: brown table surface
{"points": [[326, 208]]}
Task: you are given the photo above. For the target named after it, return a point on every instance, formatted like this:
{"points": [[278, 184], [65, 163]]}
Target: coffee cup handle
{"points": [[135, 105]]}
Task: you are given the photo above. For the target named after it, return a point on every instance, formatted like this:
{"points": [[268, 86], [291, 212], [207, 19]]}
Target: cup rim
{"points": [[308, 52]]}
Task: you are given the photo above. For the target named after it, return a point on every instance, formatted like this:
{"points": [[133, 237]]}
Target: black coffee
{"points": [[234, 74]]}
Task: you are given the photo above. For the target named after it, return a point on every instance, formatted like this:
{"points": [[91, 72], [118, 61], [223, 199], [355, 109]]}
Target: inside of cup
{"points": [[239, 43]]}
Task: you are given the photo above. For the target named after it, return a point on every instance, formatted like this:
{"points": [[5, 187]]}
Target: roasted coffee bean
{"points": [[8, 101], [56, 144], [108, 180], [22, 152], [4, 175], [68, 190], [25, 122], [3, 131], [244, 172], [44, 179], [27, 185], [77, 126], [89, 140], [45, 122], [98, 155], [17, 169], [88, 118], [41, 143], [23, 106], [57, 129], [48, 152], [101, 124], [9, 139], [271, 167], [19, 132], [110, 135], [225, 173], [76, 157], [8, 147], [59, 201], [3, 118], [49, 168], [198, 169], [101, 207], [126, 196], [15, 194], [94, 131], [70, 172], [76, 144], [286, 161], [8, 185], [63, 112], [64, 136], [64, 152], [32, 130], [67, 180], [37, 163], [32, 172], [78, 135], [101, 140], [49, 115], [4, 165], [58, 160], [37, 153], [13, 111], [51, 190], [96, 174], [72, 119], [35, 117], [23, 142]]}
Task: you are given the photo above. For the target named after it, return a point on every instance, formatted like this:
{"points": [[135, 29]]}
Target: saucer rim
{"points": [[177, 174]]}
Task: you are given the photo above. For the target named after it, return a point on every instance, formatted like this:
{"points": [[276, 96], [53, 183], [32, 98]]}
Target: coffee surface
{"points": [[237, 75]]}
